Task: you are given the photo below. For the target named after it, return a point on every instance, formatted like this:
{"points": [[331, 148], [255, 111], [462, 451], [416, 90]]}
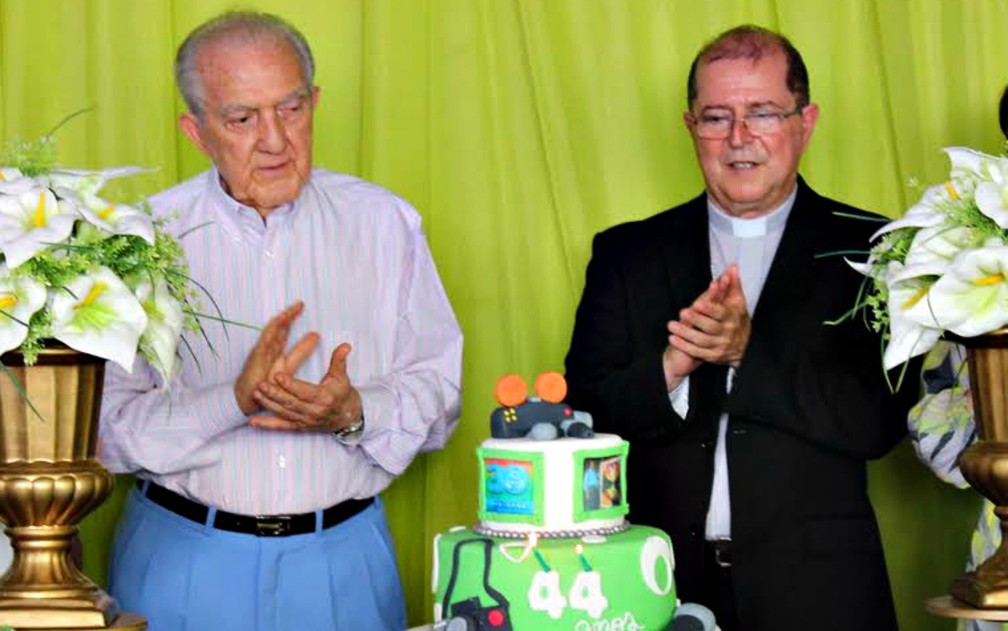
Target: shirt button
{"points": [[281, 462], [269, 254]]}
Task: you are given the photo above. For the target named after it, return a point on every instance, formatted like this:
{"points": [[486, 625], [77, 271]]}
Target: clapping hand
{"points": [[294, 404], [716, 327]]}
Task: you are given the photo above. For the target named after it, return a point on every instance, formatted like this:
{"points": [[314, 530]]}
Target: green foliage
{"points": [[32, 158]]}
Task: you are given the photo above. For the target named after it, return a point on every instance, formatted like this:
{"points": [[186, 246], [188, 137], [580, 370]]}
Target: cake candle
{"points": [[584, 562], [533, 543], [542, 561]]}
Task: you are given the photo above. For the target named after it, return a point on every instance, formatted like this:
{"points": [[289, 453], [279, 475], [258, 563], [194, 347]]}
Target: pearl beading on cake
{"points": [[552, 534]]}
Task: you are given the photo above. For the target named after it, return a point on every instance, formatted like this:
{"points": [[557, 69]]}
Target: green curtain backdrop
{"points": [[519, 128]]}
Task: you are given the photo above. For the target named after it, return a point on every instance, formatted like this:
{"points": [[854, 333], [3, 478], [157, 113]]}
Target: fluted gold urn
{"points": [[49, 480], [985, 463]]}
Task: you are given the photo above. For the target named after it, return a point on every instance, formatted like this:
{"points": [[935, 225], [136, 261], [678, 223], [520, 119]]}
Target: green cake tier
{"points": [[617, 581]]}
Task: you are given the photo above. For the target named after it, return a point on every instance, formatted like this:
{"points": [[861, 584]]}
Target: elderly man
{"points": [[259, 466], [701, 336]]}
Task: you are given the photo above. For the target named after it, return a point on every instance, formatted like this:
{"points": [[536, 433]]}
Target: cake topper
{"points": [[540, 417]]}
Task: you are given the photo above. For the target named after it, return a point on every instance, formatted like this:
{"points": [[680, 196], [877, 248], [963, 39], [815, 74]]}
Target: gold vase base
{"points": [[122, 622], [949, 607], [988, 590], [95, 611]]}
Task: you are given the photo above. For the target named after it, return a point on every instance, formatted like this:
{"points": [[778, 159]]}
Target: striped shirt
{"points": [[356, 255]]}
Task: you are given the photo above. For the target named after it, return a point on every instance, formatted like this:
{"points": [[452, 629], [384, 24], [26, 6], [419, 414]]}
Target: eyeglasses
{"points": [[718, 124]]}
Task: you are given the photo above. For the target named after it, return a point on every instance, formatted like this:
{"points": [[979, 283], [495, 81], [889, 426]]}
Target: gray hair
{"points": [[239, 26]]}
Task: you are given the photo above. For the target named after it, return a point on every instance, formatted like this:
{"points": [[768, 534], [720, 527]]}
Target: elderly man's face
{"points": [[257, 121], [749, 175]]}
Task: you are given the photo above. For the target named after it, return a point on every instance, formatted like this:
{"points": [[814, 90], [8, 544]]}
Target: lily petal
{"points": [[13, 182], [966, 161], [971, 298], [98, 314], [908, 337], [933, 249], [164, 327], [29, 223], [925, 213], [112, 218], [992, 200], [20, 298], [88, 182]]}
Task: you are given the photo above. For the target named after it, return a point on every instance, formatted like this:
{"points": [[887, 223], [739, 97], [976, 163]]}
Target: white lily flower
{"points": [[971, 298], [865, 269], [164, 326], [909, 337], [98, 314], [992, 200], [88, 182], [31, 222], [926, 213], [13, 182], [110, 217], [932, 251], [967, 162], [20, 298]]}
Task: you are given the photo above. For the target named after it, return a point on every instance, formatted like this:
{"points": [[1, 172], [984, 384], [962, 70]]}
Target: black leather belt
{"points": [[719, 550], [258, 525]]}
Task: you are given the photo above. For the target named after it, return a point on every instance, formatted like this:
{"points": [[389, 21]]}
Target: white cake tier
{"points": [[575, 485]]}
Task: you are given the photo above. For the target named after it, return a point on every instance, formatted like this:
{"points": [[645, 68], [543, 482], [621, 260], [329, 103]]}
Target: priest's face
{"points": [[753, 166], [256, 123]]}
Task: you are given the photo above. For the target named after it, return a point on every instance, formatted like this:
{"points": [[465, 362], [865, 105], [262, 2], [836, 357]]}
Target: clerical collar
{"points": [[750, 228]]}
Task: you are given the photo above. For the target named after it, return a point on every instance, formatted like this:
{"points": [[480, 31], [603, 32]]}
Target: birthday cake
{"points": [[552, 549]]}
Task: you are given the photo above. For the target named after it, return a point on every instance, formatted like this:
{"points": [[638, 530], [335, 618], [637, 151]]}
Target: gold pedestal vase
{"points": [[49, 480], [985, 463]]}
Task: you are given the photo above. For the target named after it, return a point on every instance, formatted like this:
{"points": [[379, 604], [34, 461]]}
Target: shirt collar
{"points": [[750, 228], [239, 218]]}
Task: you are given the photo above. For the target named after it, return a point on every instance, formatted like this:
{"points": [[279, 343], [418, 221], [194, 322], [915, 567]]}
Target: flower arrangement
{"points": [[99, 276], [943, 266]]}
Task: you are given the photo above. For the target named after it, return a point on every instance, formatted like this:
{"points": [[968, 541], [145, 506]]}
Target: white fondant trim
{"points": [[434, 573], [482, 529], [558, 477], [656, 549], [525, 547]]}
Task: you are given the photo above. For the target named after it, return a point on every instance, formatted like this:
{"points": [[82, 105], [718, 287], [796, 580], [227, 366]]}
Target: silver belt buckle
{"points": [[272, 525]]}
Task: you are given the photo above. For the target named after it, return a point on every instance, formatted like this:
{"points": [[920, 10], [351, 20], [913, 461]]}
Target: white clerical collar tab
{"points": [[754, 227], [749, 228]]}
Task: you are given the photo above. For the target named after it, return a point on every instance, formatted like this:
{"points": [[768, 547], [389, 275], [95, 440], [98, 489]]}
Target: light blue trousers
{"points": [[185, 576]]}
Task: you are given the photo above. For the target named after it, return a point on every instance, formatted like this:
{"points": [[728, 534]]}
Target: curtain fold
{"points": [[520, 128]]}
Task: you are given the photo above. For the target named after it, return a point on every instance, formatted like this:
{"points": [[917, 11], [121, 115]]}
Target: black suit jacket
{"points": [[809, 406]]}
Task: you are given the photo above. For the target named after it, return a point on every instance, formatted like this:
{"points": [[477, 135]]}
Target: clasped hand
{"points": [[268, 389], [714, 329]]}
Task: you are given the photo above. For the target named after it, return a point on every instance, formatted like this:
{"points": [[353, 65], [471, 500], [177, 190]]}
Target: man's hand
{"points": [[327, 406], [678, 364], [265, 355], [716, 327]]}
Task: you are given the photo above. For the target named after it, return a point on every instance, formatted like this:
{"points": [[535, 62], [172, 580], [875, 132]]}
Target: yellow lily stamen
{"points": [[914, 299], [40, 218], [8, 301], [96, 290], [992, 279], [105, 212], [2, 178], [951, 191]]}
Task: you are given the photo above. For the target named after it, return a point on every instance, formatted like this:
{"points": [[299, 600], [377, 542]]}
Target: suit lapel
{"points": [[686, 247], [792, 271], [687, 252]]}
